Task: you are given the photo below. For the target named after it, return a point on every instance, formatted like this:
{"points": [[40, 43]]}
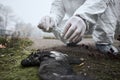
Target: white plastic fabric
{"points": [[58, 30], [103, 14]]}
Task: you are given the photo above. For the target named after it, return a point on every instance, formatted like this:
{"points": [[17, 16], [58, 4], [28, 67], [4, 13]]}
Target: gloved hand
{"points": [[46, 23], [74, 30]]}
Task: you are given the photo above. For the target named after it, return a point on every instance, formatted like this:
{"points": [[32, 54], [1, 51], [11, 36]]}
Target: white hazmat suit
{"points": [[103, 14]]}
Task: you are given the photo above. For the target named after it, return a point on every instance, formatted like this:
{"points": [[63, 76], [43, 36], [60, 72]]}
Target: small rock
{"points": [[85, 74], [88, 66], [81, 64], [82, 59], [2, 55]]}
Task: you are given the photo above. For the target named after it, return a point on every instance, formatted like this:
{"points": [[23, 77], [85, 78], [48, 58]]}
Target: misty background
{"points": [[21, 17]]}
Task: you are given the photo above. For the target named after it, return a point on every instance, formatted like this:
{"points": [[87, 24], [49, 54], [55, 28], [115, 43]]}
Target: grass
{"points": [[48, 37], [10, 59], [96, 65], [11, 69]]}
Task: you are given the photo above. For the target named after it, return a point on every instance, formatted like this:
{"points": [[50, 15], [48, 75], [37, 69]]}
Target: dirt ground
{"points": [[50, 43], [96, 64]]}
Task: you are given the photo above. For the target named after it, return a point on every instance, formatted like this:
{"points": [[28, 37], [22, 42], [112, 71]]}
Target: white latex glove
{"points": [[74, 30], [46, 23]]}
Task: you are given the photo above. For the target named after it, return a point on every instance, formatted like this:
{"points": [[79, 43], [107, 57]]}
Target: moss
{"points": [[47, 37], [11, 69], [100, 67], [10, 59]]}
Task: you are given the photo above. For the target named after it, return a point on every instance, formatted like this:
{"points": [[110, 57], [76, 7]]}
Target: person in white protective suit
{"points": [[102, 14]]}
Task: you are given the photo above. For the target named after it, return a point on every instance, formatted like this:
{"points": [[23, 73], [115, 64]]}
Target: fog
{"points": [[29, 11]]}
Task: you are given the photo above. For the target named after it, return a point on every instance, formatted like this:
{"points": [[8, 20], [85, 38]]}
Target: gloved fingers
{"points": [[77, 39], [80, 35], [47, 23], [74, 35], [70, 31], [67, 26], [41, 24], [74, 29], [52, 24]]}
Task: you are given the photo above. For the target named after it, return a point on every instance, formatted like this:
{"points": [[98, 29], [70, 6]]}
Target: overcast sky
{"points": [[29, 10]]}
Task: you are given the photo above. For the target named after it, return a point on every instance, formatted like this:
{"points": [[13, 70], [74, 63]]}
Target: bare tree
{"points": [[1, 22], [7, 15], [24, 30], [6, 18], [1, 17]]}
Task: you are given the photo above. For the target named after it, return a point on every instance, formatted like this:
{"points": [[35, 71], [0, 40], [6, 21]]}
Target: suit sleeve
{"points": [[57, 11], [90, 10]]}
